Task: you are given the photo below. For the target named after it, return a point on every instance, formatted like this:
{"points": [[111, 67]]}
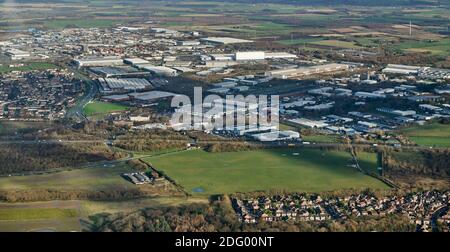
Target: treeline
{"points": [[158, 140], [420, 169], [44, 156], [153, 140], [137, 165], [230, 147], [46, 195], [219, 217], [434, 162]]}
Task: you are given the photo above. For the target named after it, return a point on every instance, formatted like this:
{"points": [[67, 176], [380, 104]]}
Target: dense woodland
{"points": [[425, 168], [46, 195], [152, 140], [24, 158], [426, 162]]}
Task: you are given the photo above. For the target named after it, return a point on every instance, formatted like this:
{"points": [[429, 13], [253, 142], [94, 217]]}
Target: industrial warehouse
{"points": [[114, 85]]}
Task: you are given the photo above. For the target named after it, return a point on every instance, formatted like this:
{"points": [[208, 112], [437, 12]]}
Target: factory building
{"points": [[117, 72], [188, 43], [280, 55], [369, 95], [224, 40], [160, 70], [113, 85], [151, 96], [309, 123], [135, 61], [400, 69], [305, 71], [98, 61], [430, 107], [276, 136], [257, 55], [15, 54], [222, 57]]}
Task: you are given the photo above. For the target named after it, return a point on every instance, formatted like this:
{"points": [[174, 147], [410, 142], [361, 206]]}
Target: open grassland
{"points": [[440, 48], [79, 23], [38, 217], [367, 161], [88, 208], [45, 225], [65, 215], [336, 43], [299, 41], [433, 134], [91, 179], [28, 67], [38, 213], [200, 172], [102, 108], [320, 138], [432, 141]]}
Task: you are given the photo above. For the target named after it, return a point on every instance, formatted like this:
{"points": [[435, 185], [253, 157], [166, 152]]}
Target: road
{"points": [[434, 217], [76, 112]]}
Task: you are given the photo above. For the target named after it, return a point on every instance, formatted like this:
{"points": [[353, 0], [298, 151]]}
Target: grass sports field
{"points": [[102, 108], [28, 67], [200, 172], [434, 134]]}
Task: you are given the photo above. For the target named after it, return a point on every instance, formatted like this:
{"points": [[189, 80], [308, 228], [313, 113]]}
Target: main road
{"points": [[76, 112]]}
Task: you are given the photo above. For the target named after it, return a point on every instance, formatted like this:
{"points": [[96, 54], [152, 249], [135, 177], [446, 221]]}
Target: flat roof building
{"points": [[256, 55], [160, 70], [224, 40], [15, 54], [305, 71], [110, 85], [309, 123], [98, 61], [401, 69], [135, 61]]}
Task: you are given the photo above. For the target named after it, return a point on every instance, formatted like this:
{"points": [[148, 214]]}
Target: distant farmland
{"points": [[200, 172], [434, 134]]}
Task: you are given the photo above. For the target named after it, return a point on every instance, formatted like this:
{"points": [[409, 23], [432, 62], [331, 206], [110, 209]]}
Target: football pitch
{"points": [[102, 108], [307, 170]]}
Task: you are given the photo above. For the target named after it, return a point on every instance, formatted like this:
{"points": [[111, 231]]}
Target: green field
{"points": [[441, 48], [200, 172], [91, 179], [36, 213], [299, 41], [65, 215], [433, 134], [320, 138], [102, 108], [79, 23], [336, 43], [28, 67]]}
